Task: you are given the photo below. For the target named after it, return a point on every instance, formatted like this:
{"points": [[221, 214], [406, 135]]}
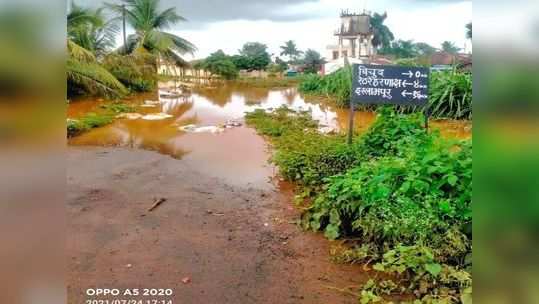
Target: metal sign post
{"points": [[351, 122]]}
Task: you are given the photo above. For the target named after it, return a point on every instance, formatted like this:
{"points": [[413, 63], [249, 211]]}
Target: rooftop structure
{"points": [[354, 36], [354, 39]]}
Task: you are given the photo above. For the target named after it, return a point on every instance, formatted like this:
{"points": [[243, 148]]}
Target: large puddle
{"points": [[236, 154]]}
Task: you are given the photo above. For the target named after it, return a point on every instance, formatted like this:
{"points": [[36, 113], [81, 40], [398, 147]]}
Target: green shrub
{"points": [[138, 73], [430, 281], [402, 193], [302, 153], [394, 199], [391, 132]]}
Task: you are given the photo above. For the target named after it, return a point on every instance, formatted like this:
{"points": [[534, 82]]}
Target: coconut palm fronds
{"points": [[149, 23], [77, 52], [93, 78]]}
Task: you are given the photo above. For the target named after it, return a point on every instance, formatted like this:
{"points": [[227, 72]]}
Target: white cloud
{"points": [[433, 24], [425, 21]]}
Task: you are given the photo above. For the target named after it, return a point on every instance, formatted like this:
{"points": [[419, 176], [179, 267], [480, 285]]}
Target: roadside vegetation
{"points": [[103, 116], [96, 68], [450, 92], [403, 196]]}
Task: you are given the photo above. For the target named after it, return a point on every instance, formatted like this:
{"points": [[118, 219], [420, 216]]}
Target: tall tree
{"points": [[95, 34], [150, 24], [253, 56], [450, 47], [401, 49], [281, 63], [219, 63], [469, 30], [84, 72], [290, 49], [312, 60], [423, 48], [382, 34]]}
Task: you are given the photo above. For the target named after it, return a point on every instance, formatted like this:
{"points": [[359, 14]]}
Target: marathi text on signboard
{"points": [[382, 84]]}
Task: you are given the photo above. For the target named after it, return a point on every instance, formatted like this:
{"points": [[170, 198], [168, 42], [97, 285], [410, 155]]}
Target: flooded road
{"points": [[237, 155], [226, 230]]}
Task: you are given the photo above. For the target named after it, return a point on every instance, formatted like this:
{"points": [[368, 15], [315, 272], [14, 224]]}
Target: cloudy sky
{"points": [[227, 24]]}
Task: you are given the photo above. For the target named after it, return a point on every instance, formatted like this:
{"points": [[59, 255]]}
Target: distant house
{"points": [[381, 59], [446, 61]]}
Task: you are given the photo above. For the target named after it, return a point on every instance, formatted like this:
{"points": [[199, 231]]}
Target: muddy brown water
{"points": [[237, 155]]}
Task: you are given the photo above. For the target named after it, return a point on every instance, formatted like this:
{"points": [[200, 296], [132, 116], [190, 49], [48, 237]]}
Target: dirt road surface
{"points": [[229, 243]]}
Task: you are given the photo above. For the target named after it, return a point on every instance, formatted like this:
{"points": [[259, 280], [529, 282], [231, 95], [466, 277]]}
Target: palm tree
{"points": [[79, 16], [382, 34], [401, 49], [95, 34], [450, 47], [290, 49], [313, 60], [149, 24], [469, 30], [423, 48], [82, 68]]}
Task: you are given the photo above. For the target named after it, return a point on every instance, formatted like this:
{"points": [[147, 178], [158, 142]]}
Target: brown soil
{"points": [[235, 244]]}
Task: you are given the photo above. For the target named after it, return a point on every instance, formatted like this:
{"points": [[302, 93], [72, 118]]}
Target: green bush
{"points": [[218, 63], [403, 193], [302, 153], [391, 132], [390, 200], [138, 73]]}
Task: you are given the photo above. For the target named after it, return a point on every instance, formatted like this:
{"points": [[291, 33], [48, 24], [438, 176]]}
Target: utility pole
{"points": [[123, 23]]}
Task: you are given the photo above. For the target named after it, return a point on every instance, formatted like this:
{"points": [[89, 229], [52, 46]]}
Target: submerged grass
{"points": [[405, 195], [95, 120]]}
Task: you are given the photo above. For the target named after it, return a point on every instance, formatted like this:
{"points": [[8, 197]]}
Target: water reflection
{"points": [[237, 150]]}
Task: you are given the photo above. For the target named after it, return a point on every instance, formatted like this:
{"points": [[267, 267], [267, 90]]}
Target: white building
{"points": [[354, 42]]}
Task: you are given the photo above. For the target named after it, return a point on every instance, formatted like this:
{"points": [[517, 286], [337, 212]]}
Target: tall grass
{"points": [[450, 92], [451, 95], [336, 85]]}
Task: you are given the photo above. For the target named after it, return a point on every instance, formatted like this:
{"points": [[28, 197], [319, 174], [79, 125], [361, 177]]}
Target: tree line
{"points": [[95, 66], [255, 56], [385, 43]]}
